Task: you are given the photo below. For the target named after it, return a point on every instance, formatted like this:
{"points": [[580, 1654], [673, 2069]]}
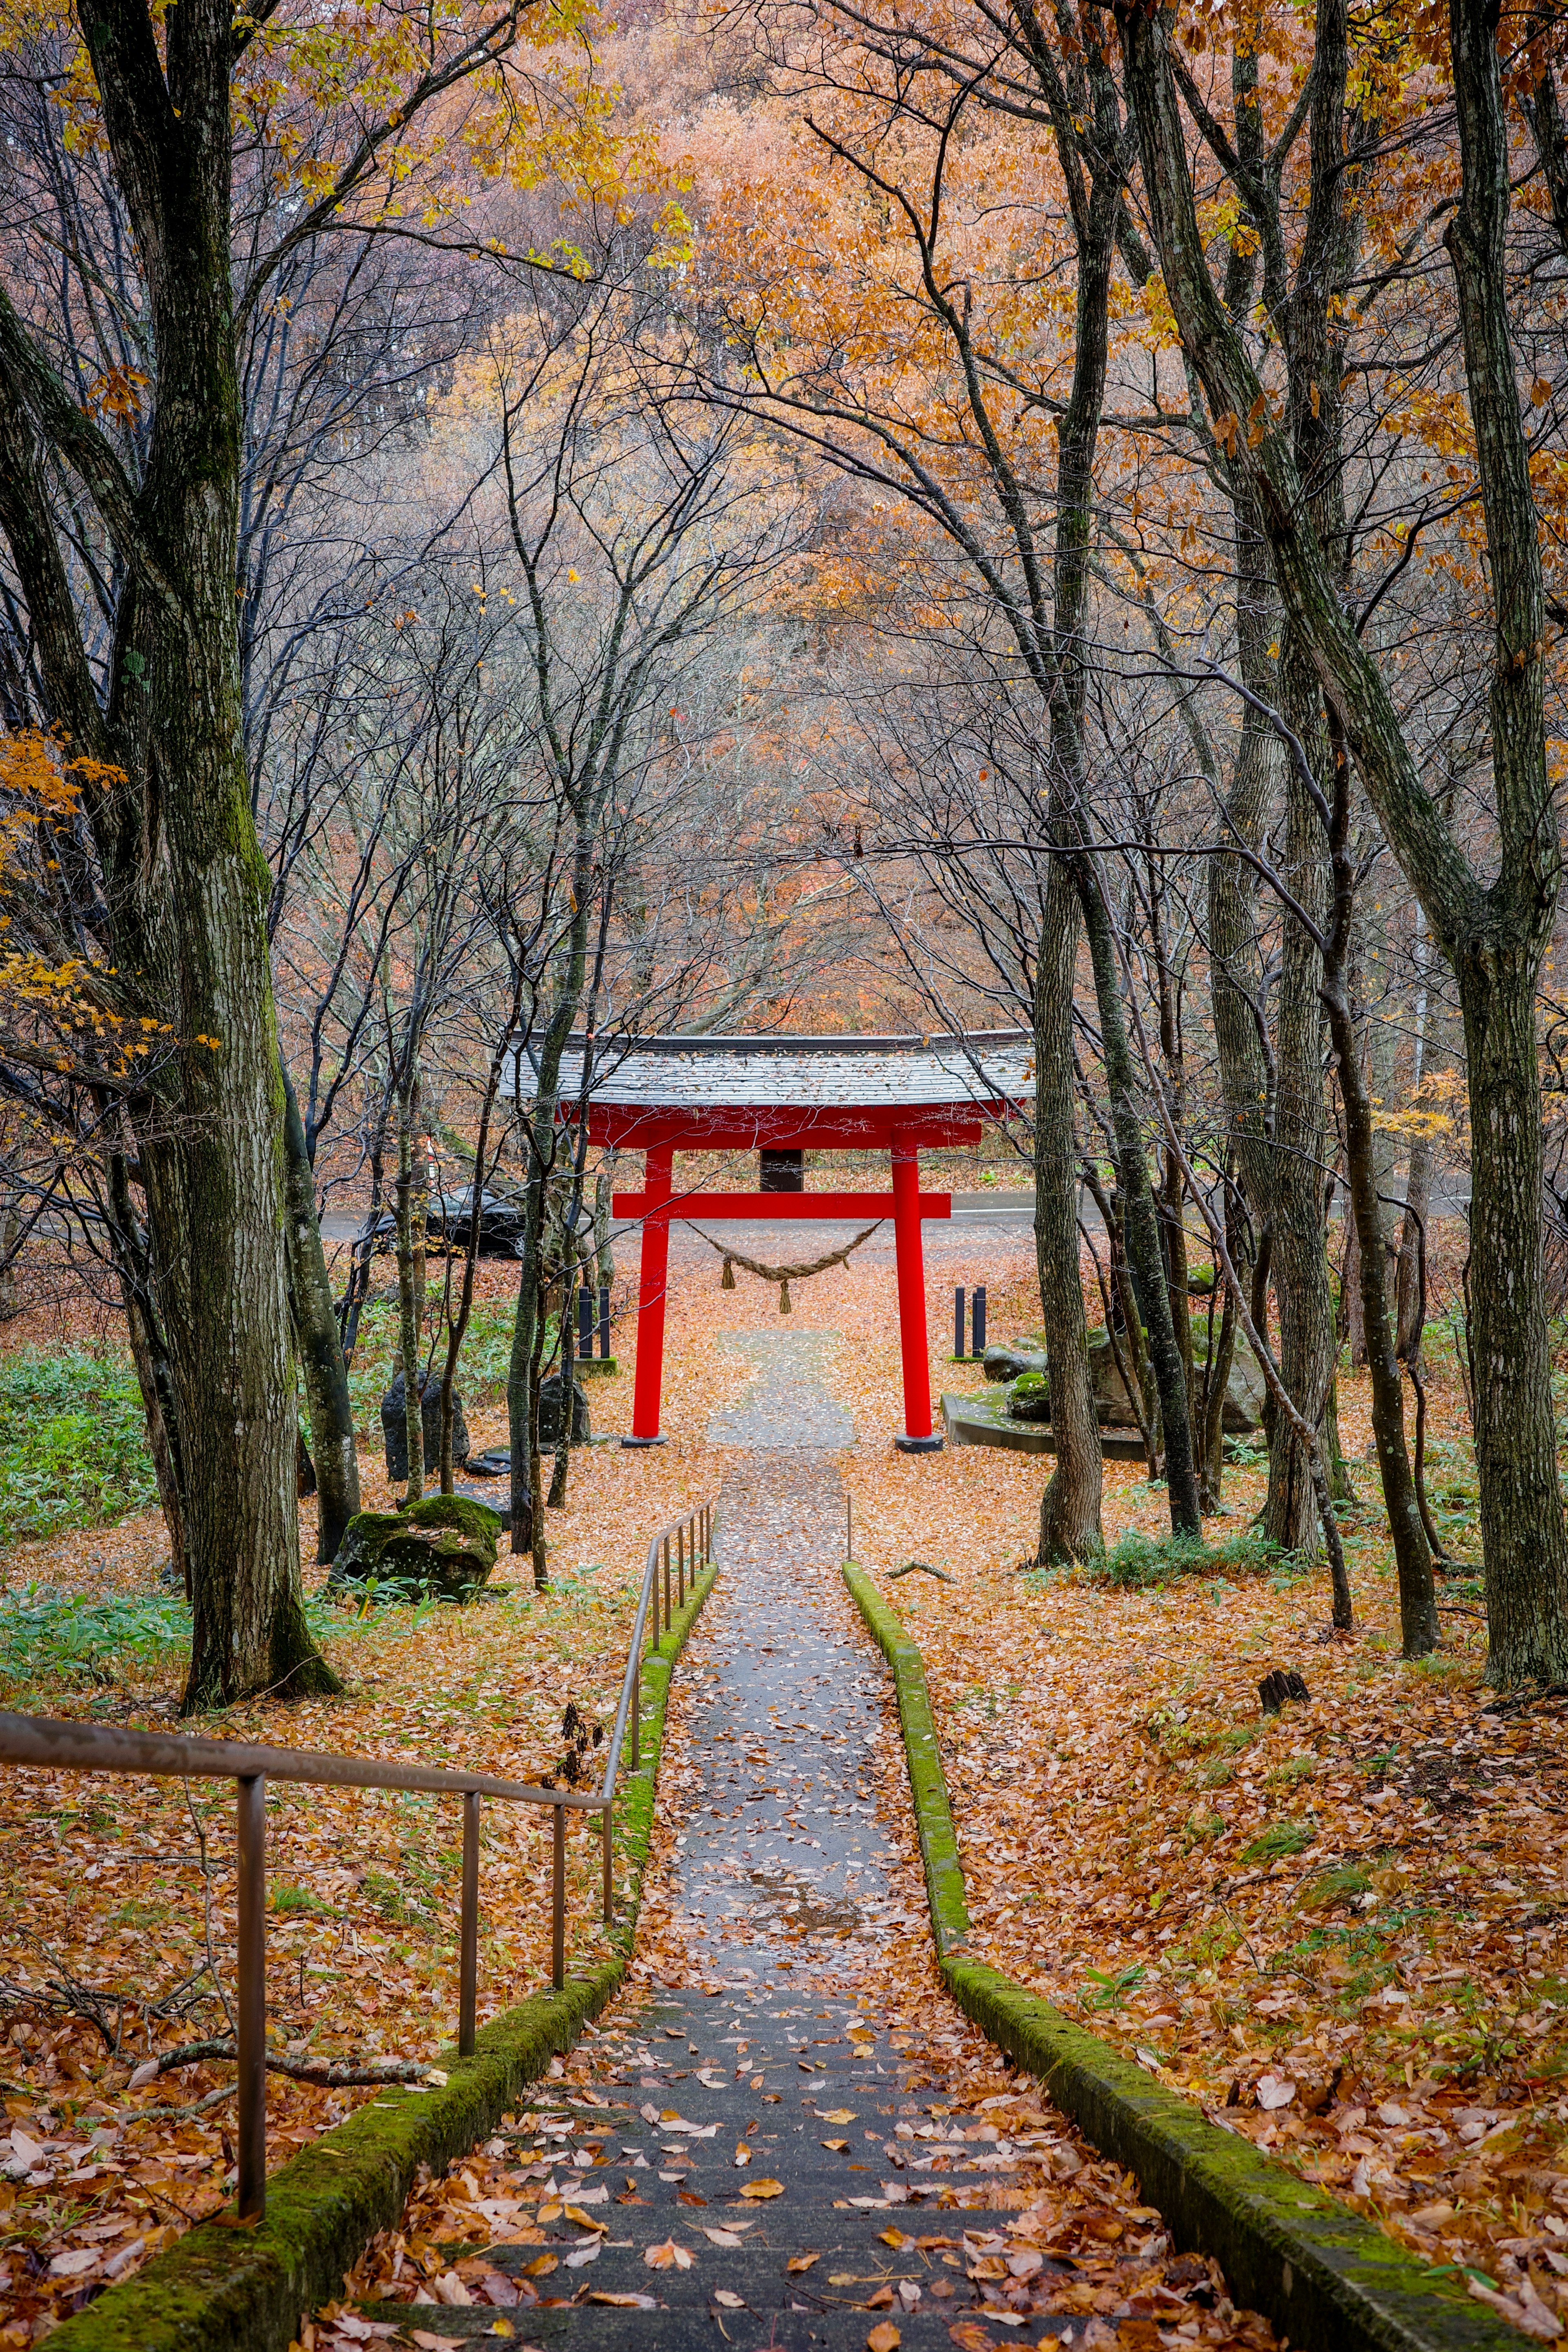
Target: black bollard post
{"points": [[958, 1324], [980, 1322], [604, 1319], [584, 1321]]}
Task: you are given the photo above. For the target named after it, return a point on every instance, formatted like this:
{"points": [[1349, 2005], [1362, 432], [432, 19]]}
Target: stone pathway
{"points": [[785, 1405], [787, 2129]]}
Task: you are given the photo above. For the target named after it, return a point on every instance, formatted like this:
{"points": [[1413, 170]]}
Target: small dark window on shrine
{"points": [[784, 1172]]}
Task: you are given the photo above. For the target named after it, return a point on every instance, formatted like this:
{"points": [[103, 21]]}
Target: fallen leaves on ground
{"points": [[102, 2163], [1339, 1929], [1084, 1732]]}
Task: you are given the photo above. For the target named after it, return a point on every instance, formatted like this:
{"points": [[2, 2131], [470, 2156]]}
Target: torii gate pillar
{"points": [[917, 1436], [651, 1288]]}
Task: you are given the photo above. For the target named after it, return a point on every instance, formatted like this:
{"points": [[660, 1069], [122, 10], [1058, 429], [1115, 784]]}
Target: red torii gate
{"points": [[781, 1096]]}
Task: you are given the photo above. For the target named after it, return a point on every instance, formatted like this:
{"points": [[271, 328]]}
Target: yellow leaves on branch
{"points": [[473, 94], [1438, 1105], [57, 1008]]}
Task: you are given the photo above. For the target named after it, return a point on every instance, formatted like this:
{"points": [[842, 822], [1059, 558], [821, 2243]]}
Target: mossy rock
{"points": [[1029, 1397], [445, 1546]]}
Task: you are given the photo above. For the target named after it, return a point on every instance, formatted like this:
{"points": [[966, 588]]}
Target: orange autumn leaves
{"points": [[63, 1010]]}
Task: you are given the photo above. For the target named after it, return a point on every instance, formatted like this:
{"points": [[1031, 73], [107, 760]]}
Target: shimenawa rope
{"points": [[782, 1275]]}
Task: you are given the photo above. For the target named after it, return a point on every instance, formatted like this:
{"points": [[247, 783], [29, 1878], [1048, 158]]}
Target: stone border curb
{"points": [[1326, 2278], [222, 2288]]}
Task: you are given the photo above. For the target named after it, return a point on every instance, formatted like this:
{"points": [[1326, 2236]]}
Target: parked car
{"points": [[447, 1221]]}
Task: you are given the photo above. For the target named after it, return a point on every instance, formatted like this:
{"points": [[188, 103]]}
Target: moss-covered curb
{"points": [[1326, 2278], [226, 2289]]}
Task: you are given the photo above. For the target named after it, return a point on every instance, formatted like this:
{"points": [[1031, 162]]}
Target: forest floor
{"points": [[1337, 1929]]}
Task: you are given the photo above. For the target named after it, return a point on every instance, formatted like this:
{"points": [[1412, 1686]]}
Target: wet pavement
{"points": [[786, 2126]]}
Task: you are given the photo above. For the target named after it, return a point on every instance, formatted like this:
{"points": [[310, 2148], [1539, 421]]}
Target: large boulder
{"points": [[1243, 1392], [1006, 1362], [1247, 1391], [445, 1546], [549, 1414], [395, 1427]]}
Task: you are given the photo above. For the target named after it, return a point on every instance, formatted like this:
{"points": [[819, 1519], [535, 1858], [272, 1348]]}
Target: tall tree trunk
{"points": [[1140, 1220], [408, 1301], [326, 1375], [1365, 1155], [1221, 1357], [544, 1146], [1309, 1340], [186, 883], [1069, 1508]]}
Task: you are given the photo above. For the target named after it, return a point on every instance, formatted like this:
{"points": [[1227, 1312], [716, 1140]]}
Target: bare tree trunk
{"points": [[320, 1350], [408, 1316], [1069, 1508], [1140, 1220], [1307, 1339], [1413, 1558], [1221, 1357]]}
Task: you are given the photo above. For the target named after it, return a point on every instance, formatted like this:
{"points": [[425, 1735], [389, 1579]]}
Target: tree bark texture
{"points": [[1069, 1508], [320, 1350]]}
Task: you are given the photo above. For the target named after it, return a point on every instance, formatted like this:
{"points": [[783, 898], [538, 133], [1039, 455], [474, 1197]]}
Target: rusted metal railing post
{"points": [[251, 2037], [667, 1584], [558, 1900], [637, 1719], [680, 1561], [609, 1867], [468, 1940]]}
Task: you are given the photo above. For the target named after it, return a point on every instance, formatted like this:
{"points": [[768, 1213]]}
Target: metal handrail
{"points": [[55, 1743], [694, 1541]]}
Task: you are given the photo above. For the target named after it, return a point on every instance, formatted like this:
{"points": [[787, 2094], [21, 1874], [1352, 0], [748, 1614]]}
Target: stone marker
{"points": [[395, 1427], [549, 1414]]}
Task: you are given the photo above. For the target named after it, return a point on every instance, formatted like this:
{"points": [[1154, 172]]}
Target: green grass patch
{"points": [[298, 1901], [73, 1444], [51, 1640], [1331, 1887], [1274, 1844], [1138, 1563]]}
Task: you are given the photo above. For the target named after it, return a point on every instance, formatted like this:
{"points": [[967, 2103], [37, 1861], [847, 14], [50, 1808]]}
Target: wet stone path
{"points": [[785, 2134]]}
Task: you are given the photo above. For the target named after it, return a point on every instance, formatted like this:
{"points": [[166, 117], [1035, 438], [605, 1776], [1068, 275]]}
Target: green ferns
{"points": [[73, 1444], [1138, 1563]]}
